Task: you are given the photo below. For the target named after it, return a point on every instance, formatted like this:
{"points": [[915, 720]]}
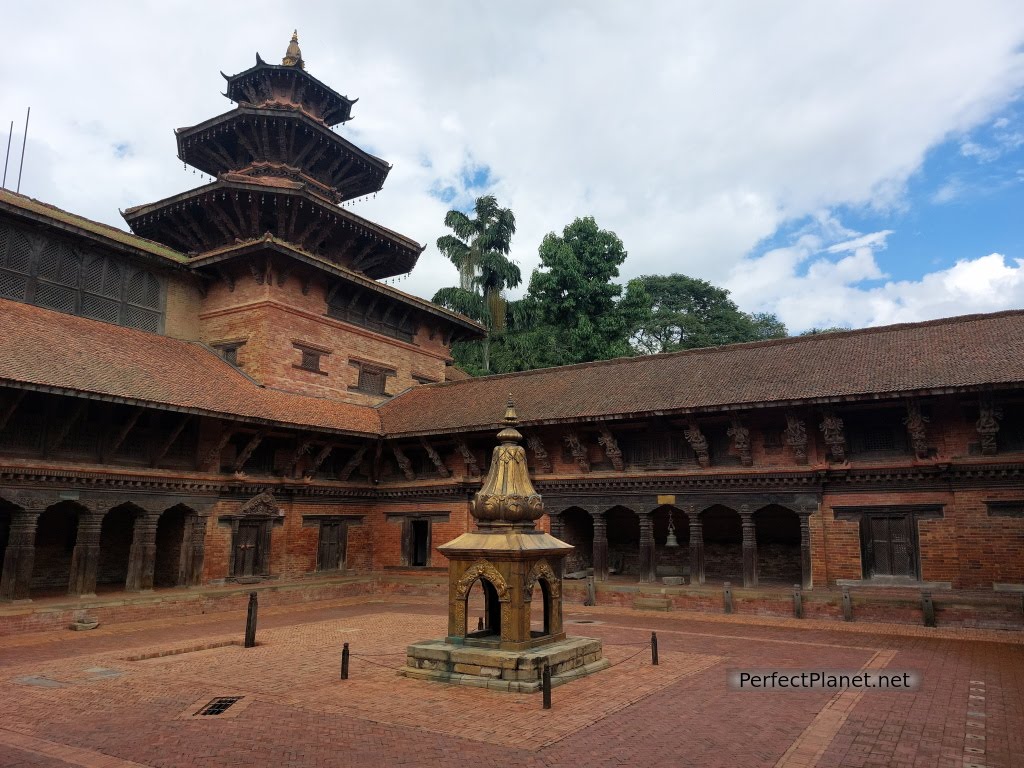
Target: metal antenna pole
{"points": [[24, 140], [8, 158]]}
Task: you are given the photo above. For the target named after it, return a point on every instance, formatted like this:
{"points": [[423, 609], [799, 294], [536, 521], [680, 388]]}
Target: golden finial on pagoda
{"points": [[510, 433], [507, 495], [293, 56]]}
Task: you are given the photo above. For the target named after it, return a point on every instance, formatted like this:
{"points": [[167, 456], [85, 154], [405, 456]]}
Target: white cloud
{"points": [[694, 130]]}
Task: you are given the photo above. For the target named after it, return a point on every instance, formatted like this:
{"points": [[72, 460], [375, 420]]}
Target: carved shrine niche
{"points": [[796, 437], [472, 467], [578, 450], [835, 438], [542, 570], [611, 448], [540, 453], [987, 425], [917, 430], [476, 571], [435, 458], [698, 442], [740, 441]]}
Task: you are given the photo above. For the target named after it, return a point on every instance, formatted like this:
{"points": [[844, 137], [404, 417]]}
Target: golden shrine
{"points": [[513, 562]]}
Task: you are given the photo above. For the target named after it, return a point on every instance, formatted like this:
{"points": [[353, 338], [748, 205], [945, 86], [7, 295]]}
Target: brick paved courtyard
{"points": [[127, 694]]}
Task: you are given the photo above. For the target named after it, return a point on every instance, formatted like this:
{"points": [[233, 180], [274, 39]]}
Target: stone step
{"points": [[653, 604]]}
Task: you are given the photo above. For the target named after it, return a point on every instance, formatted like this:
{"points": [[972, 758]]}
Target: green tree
{"points": [[830, 329], [578, 310], [479, 250], [489, 232], [685, 313]]}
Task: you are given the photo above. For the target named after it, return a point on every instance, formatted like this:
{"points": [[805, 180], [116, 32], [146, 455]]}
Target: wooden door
{"points": [[247, 544], [331, 555], [892, 547]]}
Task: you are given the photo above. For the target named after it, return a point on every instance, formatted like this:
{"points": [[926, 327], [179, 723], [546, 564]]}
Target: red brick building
{"points": [[231, 393]]}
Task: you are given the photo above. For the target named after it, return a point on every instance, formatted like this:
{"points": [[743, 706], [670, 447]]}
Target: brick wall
{"points": [[183, 306]]}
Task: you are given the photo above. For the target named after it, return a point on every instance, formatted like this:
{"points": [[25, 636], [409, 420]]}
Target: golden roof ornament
{"points": [[507, 497], [293, 56]]}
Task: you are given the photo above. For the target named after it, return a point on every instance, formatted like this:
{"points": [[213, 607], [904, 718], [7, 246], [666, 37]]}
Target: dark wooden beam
{"points": [[354, 461], [122, 433], [171, 439], [318, 460], [247, 452], [213, 457], [65, 428], [11, 407], [301, 449]]}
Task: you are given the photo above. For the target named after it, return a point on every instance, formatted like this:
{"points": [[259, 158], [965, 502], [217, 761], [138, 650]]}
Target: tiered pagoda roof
{"points": [[281, 170]]}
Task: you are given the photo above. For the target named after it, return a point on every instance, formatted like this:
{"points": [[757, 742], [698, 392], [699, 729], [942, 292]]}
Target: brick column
{"points": [[20, 555], [647, 564], [557, 525], [749, 549], [696, 546], [600, 546], [142, 557], [85, 559], [805, 550]]}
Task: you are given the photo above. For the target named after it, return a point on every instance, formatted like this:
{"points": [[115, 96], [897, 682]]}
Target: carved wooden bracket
{"points": [[611, 448], [796, 437], [987, 425], [213, 457], [917, 429], [10, 407], [318, 461], [251, 446], [403, 462], [171, 439], [698, 443], [740, 441], [435, 457], [472, 467], [835, 438], [578, 449], [352, 463], [540, 453], [122, 433], [300, 450], [65, 428]]}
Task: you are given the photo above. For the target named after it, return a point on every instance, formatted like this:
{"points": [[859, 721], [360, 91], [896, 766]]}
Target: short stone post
{"points": [[798, 602], [344, 662], [654, 649], [927, 608], [250, 622], [847, 605], [546, 686], [727, 597]]}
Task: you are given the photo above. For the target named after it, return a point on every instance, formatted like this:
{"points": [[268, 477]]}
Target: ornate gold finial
{"points": [[293, 56], [507, 496]]}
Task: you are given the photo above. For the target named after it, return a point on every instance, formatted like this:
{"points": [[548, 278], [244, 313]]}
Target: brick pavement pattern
{"points": [[129, 694]]}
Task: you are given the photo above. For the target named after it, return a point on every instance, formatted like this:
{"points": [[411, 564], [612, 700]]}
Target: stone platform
{"points": [[503, 670]]}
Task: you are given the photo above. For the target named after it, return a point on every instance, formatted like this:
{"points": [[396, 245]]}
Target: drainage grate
{"points": [[218, 706]]}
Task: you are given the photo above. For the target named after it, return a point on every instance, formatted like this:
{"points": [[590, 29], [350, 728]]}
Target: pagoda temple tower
{"points": [[270, 233]]}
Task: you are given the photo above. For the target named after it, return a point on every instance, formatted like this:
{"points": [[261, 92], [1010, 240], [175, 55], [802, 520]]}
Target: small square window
{"points": [[229, 352], [310, 360], [372, 380]]}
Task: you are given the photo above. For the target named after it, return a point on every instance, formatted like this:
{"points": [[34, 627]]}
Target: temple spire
{"points": [[293, 56]]}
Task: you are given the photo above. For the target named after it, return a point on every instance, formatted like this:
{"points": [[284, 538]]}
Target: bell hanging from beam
{"points": [[671, 542]]}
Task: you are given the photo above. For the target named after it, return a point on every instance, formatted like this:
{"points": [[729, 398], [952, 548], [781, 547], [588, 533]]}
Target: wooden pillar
{"points": [[20, 555], [749, 549], [197, 547], [647, 563], [805, 550], [142, 558], [85, 559], [600, 546], [696, 546]]}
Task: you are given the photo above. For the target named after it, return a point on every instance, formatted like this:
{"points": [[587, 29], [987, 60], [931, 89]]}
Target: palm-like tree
{"points": [[489, 232], [479, 250]]}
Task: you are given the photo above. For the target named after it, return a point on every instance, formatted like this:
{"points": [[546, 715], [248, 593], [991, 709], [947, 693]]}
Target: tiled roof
{"points": [[57, 352], [59, 217], [968, 351]]}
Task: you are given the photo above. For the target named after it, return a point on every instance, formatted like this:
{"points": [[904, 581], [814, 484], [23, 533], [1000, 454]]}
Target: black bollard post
{"points": [[928, 608], [654, 649], [250, 622], [847, 605], [727, 597], [480, 624], [546, 686], [798, 602], [344, 662]]}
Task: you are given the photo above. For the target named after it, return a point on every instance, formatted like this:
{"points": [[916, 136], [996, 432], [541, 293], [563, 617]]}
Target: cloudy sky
{"points": [[838, 163]]}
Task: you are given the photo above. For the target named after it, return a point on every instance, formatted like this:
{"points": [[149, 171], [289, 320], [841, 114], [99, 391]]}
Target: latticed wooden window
{"points": [[55, 274], [372, 380], [310, 360]]}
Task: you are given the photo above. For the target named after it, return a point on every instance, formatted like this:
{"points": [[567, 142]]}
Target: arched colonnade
{"points": [[753, 541], [55, 542]]}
